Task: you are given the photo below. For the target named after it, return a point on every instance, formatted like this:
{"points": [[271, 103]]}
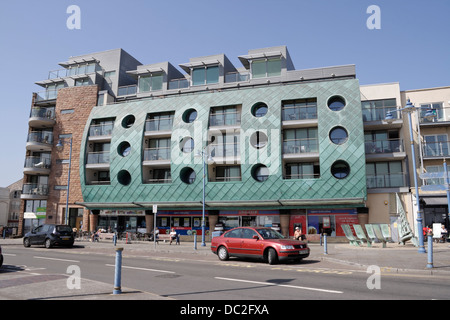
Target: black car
{"points": [[50, 235], [1, 257]]}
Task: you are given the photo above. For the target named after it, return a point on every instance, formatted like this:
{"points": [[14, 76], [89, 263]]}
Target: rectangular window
{"points": [[385, 175], [437, 110], [266, 68], [307, 170], [300, 109], [151, 82], [205, 75], [436, 145], [302, 140], [375, 110], [231, 173]]}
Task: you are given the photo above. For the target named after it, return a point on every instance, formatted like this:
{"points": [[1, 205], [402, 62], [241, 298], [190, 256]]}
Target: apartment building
{"points": [[110, 138]]}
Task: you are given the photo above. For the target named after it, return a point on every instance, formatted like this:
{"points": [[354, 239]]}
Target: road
{"points": [[204, 277]]}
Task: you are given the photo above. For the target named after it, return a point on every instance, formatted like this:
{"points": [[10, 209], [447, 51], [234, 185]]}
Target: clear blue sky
{"points": [[412, 47]]}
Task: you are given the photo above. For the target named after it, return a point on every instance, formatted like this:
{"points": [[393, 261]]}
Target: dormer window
{"points": [[268, 67], [205, 75], [150, 82]]}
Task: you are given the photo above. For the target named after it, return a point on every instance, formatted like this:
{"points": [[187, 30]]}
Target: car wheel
{"points": [[26, 243], [222, 253], [48, 243], [272, 257]]}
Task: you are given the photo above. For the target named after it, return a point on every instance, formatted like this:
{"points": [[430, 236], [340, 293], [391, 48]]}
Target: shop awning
{"points": [[435, 201]]}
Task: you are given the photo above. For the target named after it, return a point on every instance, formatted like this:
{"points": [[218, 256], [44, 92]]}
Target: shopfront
{"points": [[322, 221], [184, 222], [249, 218], [122, 221]]}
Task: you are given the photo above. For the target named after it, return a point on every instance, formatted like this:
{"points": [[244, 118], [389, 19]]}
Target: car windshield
{"points": [[63, 228], [270, 234]]}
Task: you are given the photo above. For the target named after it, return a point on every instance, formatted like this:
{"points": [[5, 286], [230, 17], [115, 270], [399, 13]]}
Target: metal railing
{"points": [[436, 149], [178, 84], [97, 157], [379, 114], [392, 180], [37, 163], [127, 90], [161, 124], [103, 129], [225, 118], [152, 154], [296, 146], [224, 149], [299, 113], [384, 146], [41, 137]]}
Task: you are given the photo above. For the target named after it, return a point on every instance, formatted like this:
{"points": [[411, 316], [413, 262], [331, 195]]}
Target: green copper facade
{"points": [[276, 192]]}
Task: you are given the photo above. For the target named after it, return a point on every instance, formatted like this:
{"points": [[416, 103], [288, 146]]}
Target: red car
{"points": [[256, 242]]}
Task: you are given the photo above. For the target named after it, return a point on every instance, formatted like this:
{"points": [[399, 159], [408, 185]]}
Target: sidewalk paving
{"points": [[392, 259]]}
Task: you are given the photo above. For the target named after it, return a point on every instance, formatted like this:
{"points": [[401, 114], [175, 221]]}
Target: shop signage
{"points": [[122, 212]]}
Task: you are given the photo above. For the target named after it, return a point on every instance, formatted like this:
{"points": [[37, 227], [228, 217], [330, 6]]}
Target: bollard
{"points": [[195, 241], [115, 239], [430, 251], [325, 249], [321, 236], [118, 272]]}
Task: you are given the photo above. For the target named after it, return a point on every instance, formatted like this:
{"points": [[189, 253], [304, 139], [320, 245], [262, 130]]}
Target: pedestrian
{"points": [[444, 233], [173, 235], [298, 235]]}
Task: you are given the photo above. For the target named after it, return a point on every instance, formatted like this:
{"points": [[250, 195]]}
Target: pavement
{"points": [[19, 283]]}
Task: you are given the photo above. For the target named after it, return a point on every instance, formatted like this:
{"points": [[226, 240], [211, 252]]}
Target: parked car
{"points": [[262, 243], [1, 257], [50, 235]]}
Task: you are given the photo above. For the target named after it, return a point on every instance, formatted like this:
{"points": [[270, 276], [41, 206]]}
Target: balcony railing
{"points": [[127, 90], [302, 176], [168, 180], [392, 180], [37, 163], [225, 119], [227, 179], [152, 154], [161, 124], [384, 146], [236, 77], [103, 129], [178, 84], [296, 146], [41, 112], [436, 149], [98, 157], [379, 114], [41, 137], [35, 189], [299, 113], [224, 150], [46, 95]]}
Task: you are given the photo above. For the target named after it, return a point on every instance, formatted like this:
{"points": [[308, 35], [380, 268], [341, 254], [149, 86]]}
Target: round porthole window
{"points": [[338, 135], [340, 169], [124, 149], [187, 175], [187, 145], [128, 121], [260, 172], [190, 115], [258, 140], [259, 109], [336, 103], [124, 177]]}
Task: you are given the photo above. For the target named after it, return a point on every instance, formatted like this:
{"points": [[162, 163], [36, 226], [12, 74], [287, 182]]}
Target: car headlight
{"points": [[287, 247]]}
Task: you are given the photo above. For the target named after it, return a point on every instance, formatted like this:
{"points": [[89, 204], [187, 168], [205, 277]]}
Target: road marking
{"points": [[10, 254], [144, 269], [56, 259], [280, 285]]}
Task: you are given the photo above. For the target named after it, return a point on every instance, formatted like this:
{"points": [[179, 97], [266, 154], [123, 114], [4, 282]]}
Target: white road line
{"points": [[10, 254], [56, 259], [280, 285], [144, 269]]}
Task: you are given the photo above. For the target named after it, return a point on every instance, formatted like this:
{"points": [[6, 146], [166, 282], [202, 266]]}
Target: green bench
{"points": [[349, 234], [361, 235]]}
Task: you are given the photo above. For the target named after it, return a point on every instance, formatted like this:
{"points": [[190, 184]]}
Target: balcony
{"points": [[178, 84], [97, 160], [37, 165], [40, 141], [236, 77], [301, 149], [102, 131], [46, 96], [158, 127], [41, 117], [385, 149], [432, 150], [130, 90], [34, 191], [225, 152], [157, 156], [392, 180], [374, 117], [225, 119]]}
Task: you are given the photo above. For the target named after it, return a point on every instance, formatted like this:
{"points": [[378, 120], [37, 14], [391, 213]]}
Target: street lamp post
{"points": [[60, 146], [409, 109], [202, 154]]}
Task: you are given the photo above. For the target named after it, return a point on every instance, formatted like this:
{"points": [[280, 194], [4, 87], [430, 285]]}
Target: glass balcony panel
{"points": [[103, 129], [97, 157], [392, 180], [300, 146], [152, 154], [37, 112], [37, 162], [35, 189], [40, 137]]}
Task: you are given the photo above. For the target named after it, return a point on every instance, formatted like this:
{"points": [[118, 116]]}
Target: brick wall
{"points": [[81, 100]]}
